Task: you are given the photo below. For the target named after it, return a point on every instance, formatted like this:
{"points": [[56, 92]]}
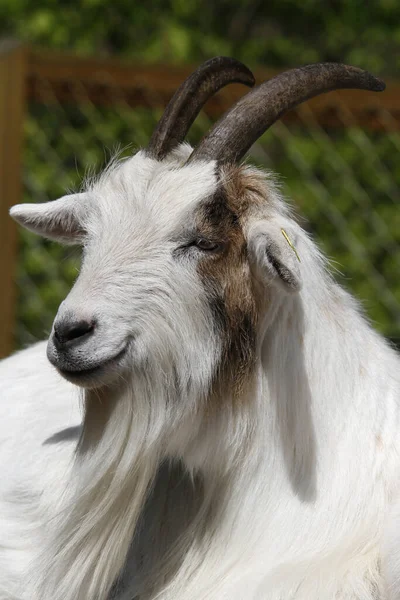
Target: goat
{"points": [[240, 426]]}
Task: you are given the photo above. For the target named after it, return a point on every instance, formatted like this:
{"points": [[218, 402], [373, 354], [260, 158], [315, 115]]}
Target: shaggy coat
{"points": [[240, 434]]}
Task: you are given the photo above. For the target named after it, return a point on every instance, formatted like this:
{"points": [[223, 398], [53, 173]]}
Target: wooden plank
{"points": [[70, 79], [12, 100]]}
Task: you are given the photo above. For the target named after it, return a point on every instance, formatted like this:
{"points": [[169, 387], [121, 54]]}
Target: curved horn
{"points": [[189, 99], [234, 134]]}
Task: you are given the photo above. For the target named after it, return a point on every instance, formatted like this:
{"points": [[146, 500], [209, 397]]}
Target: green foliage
{"points": [[274, 33], [345, 182]]}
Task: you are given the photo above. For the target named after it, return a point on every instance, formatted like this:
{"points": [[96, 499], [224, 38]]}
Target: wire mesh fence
{"points": [[341, 170]]}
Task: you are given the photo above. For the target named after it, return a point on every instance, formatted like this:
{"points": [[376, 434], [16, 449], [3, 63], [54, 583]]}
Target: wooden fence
{"points": [[31, 75]]}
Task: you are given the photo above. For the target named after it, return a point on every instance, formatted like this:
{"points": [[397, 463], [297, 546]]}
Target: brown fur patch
{"points": [[244, 187], [227, 277]]}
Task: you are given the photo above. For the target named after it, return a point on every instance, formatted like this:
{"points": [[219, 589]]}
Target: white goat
{"points": [[240, 435]]}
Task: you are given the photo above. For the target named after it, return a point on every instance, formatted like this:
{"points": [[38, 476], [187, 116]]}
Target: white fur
{"points": [[285, 494], [39, 409]]}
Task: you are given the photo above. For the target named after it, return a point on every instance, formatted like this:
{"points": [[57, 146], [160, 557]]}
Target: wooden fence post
{"points": [[12, 108]]}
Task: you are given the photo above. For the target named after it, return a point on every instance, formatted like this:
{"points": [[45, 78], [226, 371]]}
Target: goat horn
{"points": [[189, 99], [233, 135]]}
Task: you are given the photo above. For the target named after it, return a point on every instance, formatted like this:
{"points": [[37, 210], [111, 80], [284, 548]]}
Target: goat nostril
{"points": [[66, 331], [79, 330]]}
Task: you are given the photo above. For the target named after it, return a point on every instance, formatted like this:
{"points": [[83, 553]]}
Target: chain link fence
{"points": [[341, 171]]}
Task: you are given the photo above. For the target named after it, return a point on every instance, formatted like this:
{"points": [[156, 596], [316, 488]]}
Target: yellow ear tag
{"points": [[285, 235]]}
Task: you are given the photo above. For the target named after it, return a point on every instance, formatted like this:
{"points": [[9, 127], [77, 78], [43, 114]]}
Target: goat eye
{"points": [[207, 245]]}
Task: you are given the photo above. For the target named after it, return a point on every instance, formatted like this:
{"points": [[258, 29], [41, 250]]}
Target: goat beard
{"points": [[116, 461]]}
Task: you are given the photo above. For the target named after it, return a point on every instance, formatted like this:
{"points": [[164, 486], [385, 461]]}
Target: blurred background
{"points": [[80, 80]]}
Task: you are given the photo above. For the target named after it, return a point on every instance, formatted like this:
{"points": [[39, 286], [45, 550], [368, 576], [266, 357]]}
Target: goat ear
{"points": [[60, 220], [273, 249]]}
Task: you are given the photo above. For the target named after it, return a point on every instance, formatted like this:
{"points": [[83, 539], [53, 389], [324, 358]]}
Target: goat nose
{"points": [[69, 330]]}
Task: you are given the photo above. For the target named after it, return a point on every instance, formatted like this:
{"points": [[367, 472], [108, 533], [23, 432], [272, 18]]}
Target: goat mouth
{"points": [[99, 373]]}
